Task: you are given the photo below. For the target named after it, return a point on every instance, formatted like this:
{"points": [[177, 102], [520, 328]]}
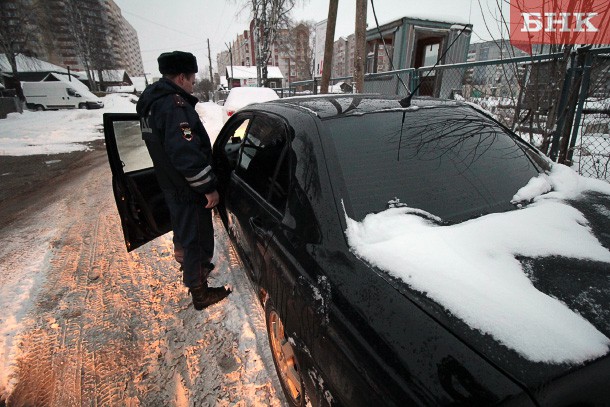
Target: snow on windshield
{"points": [[472, 270]]}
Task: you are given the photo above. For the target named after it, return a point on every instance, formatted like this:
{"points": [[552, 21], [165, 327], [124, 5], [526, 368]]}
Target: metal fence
{"points": [[558, 102]]}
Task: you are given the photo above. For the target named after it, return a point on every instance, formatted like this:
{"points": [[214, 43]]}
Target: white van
{"points": [[58, 95]]}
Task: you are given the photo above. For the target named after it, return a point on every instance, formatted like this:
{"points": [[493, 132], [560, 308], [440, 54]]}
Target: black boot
{"points": [[204, 296]]}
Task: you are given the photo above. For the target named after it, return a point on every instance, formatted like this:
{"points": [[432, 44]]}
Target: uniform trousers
{"points": [[194, 234]]}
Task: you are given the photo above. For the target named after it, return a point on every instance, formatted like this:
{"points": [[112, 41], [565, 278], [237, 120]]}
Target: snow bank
{"points": [[62, 131], [474, 272], [65, 131], [211, 116]]}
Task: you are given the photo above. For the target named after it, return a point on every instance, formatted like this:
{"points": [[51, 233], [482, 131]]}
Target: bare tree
{"points": [[295, 42], [90, 37], [203, 87], [17, 35], [269, 17], [536, 100]]}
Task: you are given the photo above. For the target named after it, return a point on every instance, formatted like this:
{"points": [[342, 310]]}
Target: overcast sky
{"points": [[187, 24]]}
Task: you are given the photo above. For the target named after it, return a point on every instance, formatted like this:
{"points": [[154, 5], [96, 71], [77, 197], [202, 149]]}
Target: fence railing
{"points": [[543, 98]]}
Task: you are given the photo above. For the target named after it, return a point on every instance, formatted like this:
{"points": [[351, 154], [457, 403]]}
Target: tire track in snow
{"points": [[112, 328]]}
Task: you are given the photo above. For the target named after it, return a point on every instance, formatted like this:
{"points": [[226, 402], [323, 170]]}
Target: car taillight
{"points": [[230, 112]]}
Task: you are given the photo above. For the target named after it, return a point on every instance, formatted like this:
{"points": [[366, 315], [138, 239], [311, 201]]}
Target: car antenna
{"points": [[406, 102], [386, 48]]}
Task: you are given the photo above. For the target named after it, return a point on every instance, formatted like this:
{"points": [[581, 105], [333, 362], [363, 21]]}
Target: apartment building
{"points": [[53, 37], [127, 55], [291, 53], [494, 80]]}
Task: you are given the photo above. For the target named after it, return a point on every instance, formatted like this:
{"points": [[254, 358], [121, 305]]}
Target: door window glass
{"points": [[262, 164], [132, 149], [234, 143]]}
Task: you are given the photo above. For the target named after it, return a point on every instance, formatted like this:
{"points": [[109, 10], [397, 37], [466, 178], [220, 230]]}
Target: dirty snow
{"points": [[22, 278], [474, 273]]}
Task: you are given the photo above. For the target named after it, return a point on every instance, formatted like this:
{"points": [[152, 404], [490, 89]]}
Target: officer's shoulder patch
{"points": [[179, 101]]}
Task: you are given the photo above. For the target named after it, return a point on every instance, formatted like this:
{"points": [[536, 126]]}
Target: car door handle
{"points": [[257, 226]]}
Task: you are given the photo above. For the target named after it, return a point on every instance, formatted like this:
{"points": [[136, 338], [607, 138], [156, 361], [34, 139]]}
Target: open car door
{"points": [[140, 201]]}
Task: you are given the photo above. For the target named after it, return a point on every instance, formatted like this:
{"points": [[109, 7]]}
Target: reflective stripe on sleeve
{"points": [[196, 184], [200, 175]]}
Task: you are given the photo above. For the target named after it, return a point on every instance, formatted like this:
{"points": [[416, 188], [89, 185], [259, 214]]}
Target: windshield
{"points": [[450, 161]]}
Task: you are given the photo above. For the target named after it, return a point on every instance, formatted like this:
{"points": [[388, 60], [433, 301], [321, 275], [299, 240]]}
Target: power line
{"points": [[159, 24], [220, 20], [182, 45]]}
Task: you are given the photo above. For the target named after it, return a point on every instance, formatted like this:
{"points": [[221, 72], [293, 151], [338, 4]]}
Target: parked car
{"points": [[297, 173], [58, 95], [243, 96]]}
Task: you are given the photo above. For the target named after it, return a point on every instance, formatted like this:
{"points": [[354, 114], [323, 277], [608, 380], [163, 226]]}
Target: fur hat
{"points": [[176, 62]]}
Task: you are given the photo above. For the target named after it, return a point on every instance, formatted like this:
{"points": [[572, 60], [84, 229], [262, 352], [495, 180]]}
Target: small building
{"points": [[411, 42], [246, 76], [113, 79], [32, 69]]}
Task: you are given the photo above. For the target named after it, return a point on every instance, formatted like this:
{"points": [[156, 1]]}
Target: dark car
{"points": [[343, 331]]}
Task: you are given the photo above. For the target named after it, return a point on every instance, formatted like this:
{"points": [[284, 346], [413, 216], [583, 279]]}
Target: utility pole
{"points": [[328, 45], [210, 61], [230, 82], [360, 45]]}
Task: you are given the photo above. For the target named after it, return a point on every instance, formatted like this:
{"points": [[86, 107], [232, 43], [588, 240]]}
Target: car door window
{"points": [[232, 148], [262, 163], [132, 149]]}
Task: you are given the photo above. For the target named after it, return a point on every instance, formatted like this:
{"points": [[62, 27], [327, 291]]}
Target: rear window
{"points": [[450, 161]]}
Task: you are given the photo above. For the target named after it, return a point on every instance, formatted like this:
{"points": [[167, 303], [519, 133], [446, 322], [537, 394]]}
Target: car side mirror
{"points": [[77, 95]]}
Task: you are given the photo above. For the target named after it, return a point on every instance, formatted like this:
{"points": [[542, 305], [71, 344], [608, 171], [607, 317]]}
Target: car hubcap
{"points": [[283, 353]]}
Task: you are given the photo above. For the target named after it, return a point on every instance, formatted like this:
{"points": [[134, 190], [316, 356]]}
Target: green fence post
{"points": [[584, 91], [563, 101]]}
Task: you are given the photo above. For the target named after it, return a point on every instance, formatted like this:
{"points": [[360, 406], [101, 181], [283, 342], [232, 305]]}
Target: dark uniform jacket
{"points": [[177, 141]]}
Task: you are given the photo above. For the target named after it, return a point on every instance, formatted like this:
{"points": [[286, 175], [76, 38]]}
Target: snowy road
{"points": [[89, 324]]}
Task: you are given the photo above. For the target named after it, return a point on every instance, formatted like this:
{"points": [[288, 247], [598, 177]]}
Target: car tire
{"points": [[39, 108], [82, 106], [284, 358]]}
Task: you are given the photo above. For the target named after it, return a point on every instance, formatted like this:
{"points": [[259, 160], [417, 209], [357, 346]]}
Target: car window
{"points": [[450, 161], [262, 163], [132, 149], [232, 148]]}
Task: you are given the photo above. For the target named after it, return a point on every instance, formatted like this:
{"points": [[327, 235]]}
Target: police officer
{"points": [[182, 156]]}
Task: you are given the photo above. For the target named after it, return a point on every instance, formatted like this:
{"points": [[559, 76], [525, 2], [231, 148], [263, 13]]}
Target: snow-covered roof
{"points": [[431, 15], [121, 89], [111, 75], [249, 72], [31, 64]]}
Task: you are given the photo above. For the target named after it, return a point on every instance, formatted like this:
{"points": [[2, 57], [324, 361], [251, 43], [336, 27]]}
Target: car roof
{"points": [[335, 105]]}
